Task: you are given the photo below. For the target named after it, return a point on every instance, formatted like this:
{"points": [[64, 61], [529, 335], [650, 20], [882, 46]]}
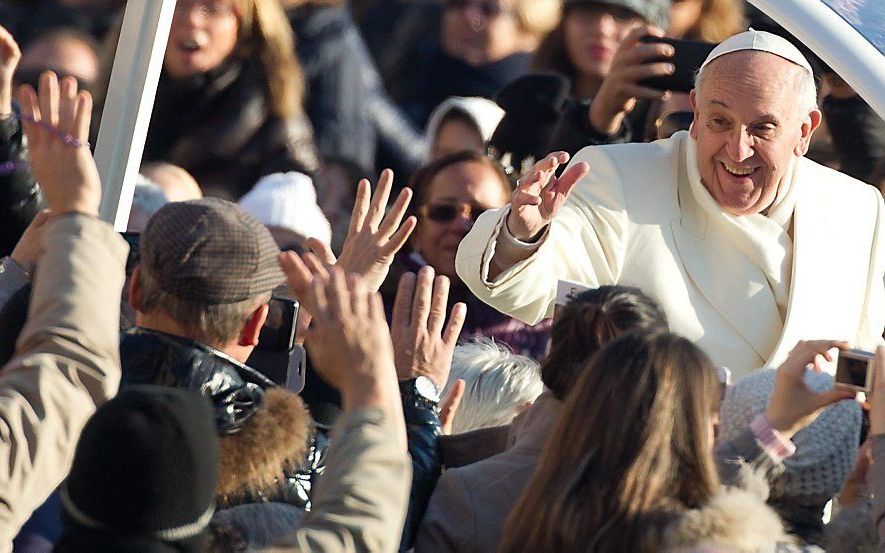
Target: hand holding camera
{"points": [[793, 405], [877, 402], [620, 89]]}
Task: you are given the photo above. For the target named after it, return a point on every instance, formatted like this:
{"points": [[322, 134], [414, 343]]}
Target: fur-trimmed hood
{"points": [[276, 438], [735, 520]]}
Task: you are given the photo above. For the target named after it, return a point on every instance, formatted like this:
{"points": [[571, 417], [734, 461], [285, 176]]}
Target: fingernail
{"points": [[671, 68]]}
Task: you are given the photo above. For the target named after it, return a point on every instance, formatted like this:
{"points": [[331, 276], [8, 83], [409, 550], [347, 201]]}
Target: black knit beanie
{"points": [[145, 468]]}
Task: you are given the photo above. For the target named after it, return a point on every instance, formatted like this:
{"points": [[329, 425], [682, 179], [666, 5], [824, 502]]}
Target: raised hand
{"points": [[56, 123], [373, 237], [620, 89], [540, 194], [10, 54], [423, 343], [792, 405]]}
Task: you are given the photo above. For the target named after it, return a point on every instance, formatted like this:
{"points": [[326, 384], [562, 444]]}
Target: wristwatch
{"points": [[421, 392]]}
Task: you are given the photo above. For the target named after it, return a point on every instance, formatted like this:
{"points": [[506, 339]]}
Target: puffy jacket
{"points": [[271, 451]]}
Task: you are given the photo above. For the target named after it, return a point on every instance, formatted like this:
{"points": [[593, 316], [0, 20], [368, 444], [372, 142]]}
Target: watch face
{"points": [[426, 388]]}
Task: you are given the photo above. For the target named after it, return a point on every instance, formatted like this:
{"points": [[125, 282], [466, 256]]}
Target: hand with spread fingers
{"points": [[540, 194], [348, 340], [423, 341], [56, 123], [793, 405], [620, 89], [10, 55], [373, 237]]}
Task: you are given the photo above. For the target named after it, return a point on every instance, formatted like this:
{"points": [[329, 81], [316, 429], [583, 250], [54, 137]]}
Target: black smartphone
{"points": [[276, 355], [278, 332], [133, 259], [687, 59]]}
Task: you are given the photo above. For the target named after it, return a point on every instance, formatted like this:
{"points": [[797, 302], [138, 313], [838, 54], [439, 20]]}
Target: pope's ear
{"points": [[693, 99], [809, 125]]}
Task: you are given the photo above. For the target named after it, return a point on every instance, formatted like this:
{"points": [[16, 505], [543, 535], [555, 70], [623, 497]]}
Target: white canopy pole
{"points": [[129, 102]]}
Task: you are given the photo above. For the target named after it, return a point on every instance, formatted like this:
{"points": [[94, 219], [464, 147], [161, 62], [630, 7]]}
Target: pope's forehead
{"points": [[752, 62]]}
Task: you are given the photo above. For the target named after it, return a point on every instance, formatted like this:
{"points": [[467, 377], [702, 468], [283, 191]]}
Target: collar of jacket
{"points": [[530, 429], [235, 390]]}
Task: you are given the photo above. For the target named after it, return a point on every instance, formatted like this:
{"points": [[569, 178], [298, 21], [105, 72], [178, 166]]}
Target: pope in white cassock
{"points": [[747, 245]]}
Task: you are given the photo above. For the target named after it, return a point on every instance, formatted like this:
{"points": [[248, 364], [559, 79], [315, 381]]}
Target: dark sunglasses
{"points": [[488, 9], [444, 213]]}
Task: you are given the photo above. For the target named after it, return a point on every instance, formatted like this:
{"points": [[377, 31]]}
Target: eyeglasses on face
{"points": [[488, 9], [444, 213]]}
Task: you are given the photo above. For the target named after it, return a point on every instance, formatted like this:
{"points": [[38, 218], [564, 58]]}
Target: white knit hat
{"points": [[485, 113], [760, 41], [289, 201], [825, 449]]}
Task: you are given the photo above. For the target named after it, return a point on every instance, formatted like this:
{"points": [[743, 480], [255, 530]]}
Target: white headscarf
{"points": [[485, 115]]}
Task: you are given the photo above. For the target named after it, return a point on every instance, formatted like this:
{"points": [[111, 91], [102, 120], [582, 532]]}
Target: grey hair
{"points": [[807, 89], [498, 384]]}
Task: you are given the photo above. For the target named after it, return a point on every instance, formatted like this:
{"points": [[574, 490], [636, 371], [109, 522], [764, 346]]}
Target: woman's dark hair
{"points": [[420, 181], [632, 449], [589, 321]]}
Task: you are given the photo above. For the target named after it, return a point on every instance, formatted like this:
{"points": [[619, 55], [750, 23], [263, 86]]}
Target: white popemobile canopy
{"points": [[849, 35]]}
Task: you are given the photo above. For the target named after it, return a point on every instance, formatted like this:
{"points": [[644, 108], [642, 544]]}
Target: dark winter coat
{"points": [[220, 128]]}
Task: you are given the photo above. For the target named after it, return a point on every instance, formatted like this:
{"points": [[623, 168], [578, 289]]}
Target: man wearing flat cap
{"points": [[201, 295], [748, 246]]}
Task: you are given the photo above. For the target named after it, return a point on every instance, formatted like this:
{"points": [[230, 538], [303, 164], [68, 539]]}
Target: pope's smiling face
{"points": [[749, 123]]}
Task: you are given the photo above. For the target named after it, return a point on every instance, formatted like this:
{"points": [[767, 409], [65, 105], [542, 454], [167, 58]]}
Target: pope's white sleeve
{"points": [[586, 242]]}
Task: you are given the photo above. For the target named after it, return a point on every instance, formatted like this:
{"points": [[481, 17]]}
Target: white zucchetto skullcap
{"points": [[760, 41]]}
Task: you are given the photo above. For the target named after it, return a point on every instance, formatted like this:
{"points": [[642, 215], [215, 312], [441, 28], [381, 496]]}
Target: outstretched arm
{"points": [[67, 360]]}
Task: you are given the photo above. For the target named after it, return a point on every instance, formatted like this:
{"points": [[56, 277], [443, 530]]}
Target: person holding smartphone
{"points": [[596, 45]]}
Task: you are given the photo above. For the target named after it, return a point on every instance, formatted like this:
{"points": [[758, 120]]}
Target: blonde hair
{"points": [[537, 17], [632, 448], [265, 32], [718, 20]]}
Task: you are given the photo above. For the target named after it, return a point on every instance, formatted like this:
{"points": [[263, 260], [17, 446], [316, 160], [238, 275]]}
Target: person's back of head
{"points": [[209, 267], [143, 477], [589, 321], [67, 52], [632, 447], [498, 384]]}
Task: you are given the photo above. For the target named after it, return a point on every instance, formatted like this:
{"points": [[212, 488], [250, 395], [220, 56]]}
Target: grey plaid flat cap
{"points": [[210, 251]]}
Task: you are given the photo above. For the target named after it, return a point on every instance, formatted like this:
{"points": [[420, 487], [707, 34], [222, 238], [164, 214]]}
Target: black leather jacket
{"points": [[236, 393], [20, 198]]}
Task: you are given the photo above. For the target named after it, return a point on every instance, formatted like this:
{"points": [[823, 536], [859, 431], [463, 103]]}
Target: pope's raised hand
{"points": [[540, 194]]}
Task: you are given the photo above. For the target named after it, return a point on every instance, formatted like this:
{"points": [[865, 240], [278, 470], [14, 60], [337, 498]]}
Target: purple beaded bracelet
{"points": [[68, 139]]}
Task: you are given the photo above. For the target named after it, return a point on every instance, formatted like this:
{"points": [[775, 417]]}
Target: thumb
{"points": [[449, 405]]}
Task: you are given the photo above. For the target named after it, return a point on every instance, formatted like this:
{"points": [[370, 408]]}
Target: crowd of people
{"points": [[286, 353]]}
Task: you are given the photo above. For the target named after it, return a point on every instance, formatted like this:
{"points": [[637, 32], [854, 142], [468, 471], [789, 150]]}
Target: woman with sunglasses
{"points": [[450, 194]]}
